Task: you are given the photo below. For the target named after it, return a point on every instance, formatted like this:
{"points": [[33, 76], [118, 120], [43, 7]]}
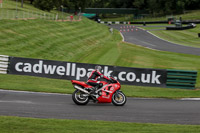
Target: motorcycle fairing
{"points": [[81, 83], [107, 92]]}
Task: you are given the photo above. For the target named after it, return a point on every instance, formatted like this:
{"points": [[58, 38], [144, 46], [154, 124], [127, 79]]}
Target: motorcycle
{"points": [[108, 92]]}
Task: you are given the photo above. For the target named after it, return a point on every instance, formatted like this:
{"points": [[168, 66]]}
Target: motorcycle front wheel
{"points": [[79, 98], [118, 98]]}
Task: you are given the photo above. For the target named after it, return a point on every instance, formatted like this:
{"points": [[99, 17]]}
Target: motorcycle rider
{"points": [[92, 80]]}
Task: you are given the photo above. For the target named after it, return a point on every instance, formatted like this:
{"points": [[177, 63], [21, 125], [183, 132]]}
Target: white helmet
{"points": [[98, 68]]}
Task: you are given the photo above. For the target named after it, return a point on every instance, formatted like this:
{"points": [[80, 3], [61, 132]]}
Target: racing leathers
{"points": [[92, 80]]}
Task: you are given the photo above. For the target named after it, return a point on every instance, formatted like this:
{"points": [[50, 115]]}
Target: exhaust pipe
{"points": [[79, 88]]}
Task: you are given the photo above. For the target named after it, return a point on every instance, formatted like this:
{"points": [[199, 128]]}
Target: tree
{"points": [[155, 7], [141, 4], [31, 1], [80, 3], [22, 2], [180, 6], [138, 3], [192, 4], [44, 4]]}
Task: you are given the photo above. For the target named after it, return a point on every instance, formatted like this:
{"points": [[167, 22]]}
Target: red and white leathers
{"points": [[92, 80]]}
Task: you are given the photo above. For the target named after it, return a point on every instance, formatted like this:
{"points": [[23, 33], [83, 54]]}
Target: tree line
{"points": [[154, 7]]}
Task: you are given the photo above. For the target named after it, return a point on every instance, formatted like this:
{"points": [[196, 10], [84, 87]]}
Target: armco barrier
{"points": [[149, 22], [116, 22], [80, 71], [181, 28], [181, 79]]}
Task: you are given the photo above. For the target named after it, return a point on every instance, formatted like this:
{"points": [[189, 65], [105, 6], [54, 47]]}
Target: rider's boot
{"points": [[93, 91], [89, 89]]}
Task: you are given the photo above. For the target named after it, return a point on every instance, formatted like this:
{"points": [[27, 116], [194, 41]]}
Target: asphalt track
{"points": [[135, 35], [60, 106]]}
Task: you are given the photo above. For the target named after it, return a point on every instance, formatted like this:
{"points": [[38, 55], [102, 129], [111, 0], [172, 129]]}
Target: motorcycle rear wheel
{"points": [[79, 99], [118, 98]]}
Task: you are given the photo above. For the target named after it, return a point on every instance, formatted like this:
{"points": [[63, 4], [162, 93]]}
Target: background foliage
{"points": [[155, 7]]}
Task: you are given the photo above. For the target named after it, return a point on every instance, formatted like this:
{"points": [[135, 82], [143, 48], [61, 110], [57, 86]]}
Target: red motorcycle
{"points": [[108, 92]]}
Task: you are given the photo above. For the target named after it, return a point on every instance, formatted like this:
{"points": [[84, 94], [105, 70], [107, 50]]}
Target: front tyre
{"points": [[79, 98], [118, 98]]}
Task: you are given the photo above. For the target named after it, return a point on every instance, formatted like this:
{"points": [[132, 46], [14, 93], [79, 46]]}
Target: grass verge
{"points": [[85, 42], [28, 83], [33, 125]]}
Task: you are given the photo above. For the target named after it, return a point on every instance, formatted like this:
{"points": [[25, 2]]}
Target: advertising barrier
{"points": [[81, 71]]}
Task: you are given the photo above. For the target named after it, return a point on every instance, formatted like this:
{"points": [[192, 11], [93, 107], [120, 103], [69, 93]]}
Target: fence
{"points": [[29, 14]]}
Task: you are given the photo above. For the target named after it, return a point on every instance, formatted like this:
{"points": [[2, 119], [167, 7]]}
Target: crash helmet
{"points": [[98, 68]]}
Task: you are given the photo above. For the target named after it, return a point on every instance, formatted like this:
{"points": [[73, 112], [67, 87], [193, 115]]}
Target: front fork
{"points": [[117, 93]]}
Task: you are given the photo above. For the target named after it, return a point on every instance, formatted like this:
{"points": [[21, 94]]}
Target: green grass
{"points": [[33, 125], [14, 82], [49, 39], [59, 41], [85, 42], [151, 59]]}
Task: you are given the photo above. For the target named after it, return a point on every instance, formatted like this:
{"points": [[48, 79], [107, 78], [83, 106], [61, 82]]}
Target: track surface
{"points": [[42, 105], [143, 38]]}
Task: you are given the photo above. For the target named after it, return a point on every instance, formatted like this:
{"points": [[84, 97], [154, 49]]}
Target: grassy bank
{"points": [[30, 125], [66, 41], [85, 42]]}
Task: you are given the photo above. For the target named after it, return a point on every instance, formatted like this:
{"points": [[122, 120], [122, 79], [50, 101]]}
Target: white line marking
{"points": [[190, 99], [17, 101], [154, 34], [159, 37], [122, 37], [30, 92], [152, 49], [43, 93]]}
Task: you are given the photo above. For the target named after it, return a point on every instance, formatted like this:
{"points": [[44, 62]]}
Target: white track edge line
{"points": [[30, 92], [190, 99], [122, 36]]}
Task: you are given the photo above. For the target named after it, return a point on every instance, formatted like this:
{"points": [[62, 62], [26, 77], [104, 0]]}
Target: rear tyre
{"points": [[79, 98], [118, 98]]}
